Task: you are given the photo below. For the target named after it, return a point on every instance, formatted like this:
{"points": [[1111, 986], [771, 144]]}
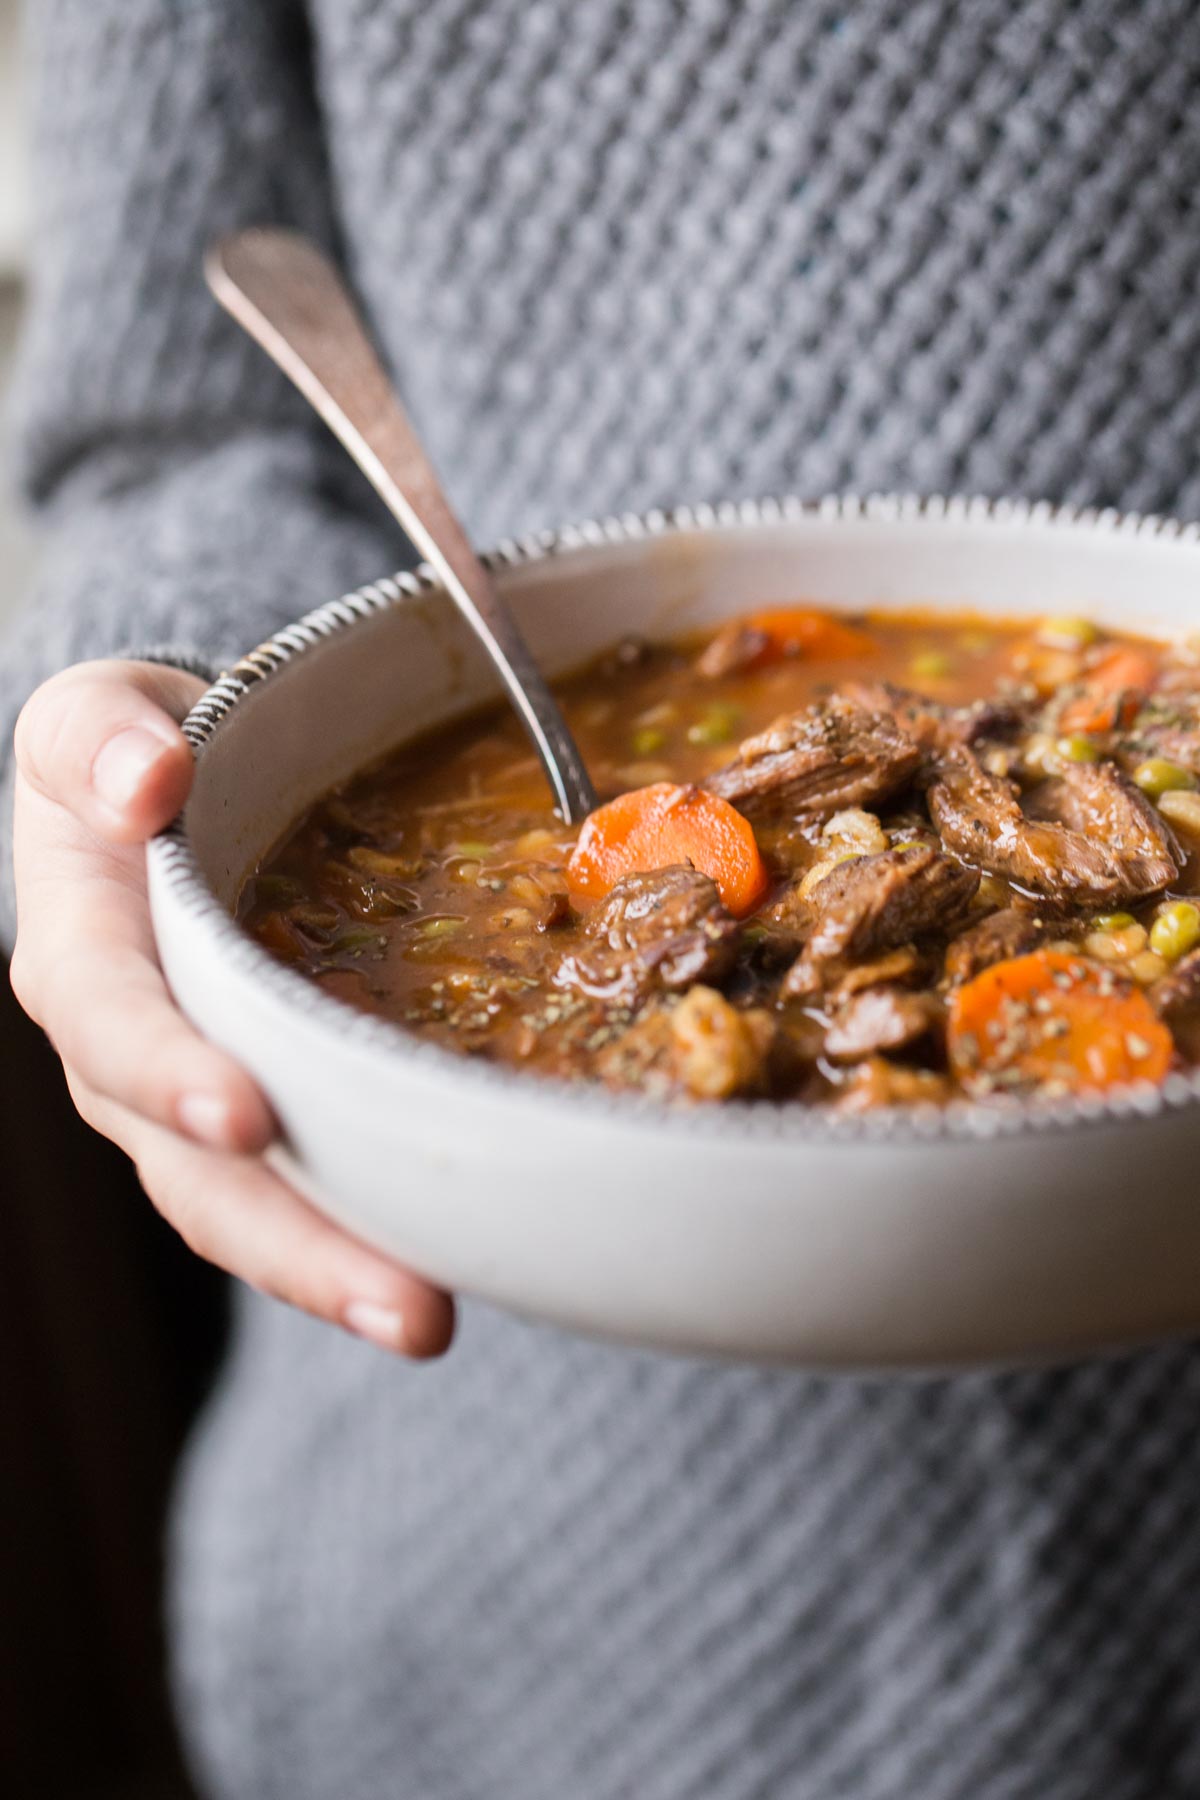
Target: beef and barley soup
{"points": [[859, 862]]}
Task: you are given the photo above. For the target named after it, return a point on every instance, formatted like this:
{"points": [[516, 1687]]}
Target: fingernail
{"points": [[205, 1117], [383, 1325], [123, 764]]}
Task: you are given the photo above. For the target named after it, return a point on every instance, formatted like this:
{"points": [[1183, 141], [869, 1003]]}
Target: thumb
{"points": [[103, 740]]}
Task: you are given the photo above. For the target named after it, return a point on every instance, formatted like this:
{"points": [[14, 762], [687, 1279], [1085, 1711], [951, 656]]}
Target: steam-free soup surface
{"points": [[859, 861]]}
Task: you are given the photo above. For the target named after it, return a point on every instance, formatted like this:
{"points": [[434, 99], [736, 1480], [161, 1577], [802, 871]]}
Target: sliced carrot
{"points": [[1113, 690], [1054, 1017], [805, 631], [659, 826]]}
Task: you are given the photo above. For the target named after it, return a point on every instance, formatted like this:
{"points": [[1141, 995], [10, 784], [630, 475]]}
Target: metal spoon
{"points": [[292, 301]]}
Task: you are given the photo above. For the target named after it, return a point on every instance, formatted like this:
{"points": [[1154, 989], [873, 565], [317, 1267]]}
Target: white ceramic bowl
{"points": [[760, 1232]]}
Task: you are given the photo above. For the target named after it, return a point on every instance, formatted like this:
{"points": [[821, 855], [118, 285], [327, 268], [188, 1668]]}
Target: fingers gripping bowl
{"points": [[923, 1237]]}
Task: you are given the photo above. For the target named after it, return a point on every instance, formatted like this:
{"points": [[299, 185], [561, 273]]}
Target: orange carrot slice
{"points": [[659, 826], [1114, 688], [805, 631], [1054, 1017]]}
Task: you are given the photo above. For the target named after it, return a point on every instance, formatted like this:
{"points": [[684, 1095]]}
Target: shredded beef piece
{"points": [[1097, 797], [876, 903], [736, 646], [1104, 842], [792, 916], [832, 754], [659, 931], [700, 1045], [1178, 991], [807, 978], [881, 1018], [931, 724], [895, 965], [1010, 932], [836, 979], [881, 1083], [554, 911]]}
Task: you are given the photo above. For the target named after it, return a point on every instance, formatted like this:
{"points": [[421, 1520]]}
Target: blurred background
{"points": [[15, 547], [108, 1332]]}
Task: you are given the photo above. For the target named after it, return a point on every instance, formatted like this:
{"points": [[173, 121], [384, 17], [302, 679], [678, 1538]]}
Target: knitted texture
{"points": [[620, 254], [545, 1568]]}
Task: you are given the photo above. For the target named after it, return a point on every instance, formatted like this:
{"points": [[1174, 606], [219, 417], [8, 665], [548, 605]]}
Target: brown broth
{"points": [[415, 891]]}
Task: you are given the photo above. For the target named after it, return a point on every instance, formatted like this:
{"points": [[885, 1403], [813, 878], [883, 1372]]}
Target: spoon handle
{"points": [[292, 301]]}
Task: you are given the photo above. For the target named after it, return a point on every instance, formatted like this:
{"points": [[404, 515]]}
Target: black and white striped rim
{"points": [[181, 871]]}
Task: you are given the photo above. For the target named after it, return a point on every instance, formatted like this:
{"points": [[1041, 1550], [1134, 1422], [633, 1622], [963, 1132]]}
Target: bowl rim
{"points": [[178, 866]]}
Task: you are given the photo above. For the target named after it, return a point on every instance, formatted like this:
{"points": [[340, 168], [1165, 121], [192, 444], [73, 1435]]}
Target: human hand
{"points": [[101, 766]]}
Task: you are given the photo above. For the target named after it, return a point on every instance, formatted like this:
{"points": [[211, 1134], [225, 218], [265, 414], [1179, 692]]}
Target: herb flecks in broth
{"points": [[849, 861]]}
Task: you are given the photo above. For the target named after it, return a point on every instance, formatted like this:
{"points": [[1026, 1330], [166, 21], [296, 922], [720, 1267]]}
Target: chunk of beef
{"points": [[872, 904], [878, 1082], [736, 646], [832, 754], [700, 1045], [933, 725], [881, 1018], [1010, 932], [658, 931], [1104, 842], [1178, 991], [877, 902]]}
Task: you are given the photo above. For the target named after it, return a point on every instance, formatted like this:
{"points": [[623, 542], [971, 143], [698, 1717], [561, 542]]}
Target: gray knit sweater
{"points": [[624, 252]]}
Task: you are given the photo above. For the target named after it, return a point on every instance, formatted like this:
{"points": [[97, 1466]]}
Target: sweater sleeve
{"points": [[184, 494]]}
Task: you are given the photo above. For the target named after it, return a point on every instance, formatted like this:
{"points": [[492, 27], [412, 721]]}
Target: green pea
{"points": [[1176, 930], [930, 665], [1077, 748], [1157, 776], [1118, 921], [648, 740], [718, 724], [1067, 634]]}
